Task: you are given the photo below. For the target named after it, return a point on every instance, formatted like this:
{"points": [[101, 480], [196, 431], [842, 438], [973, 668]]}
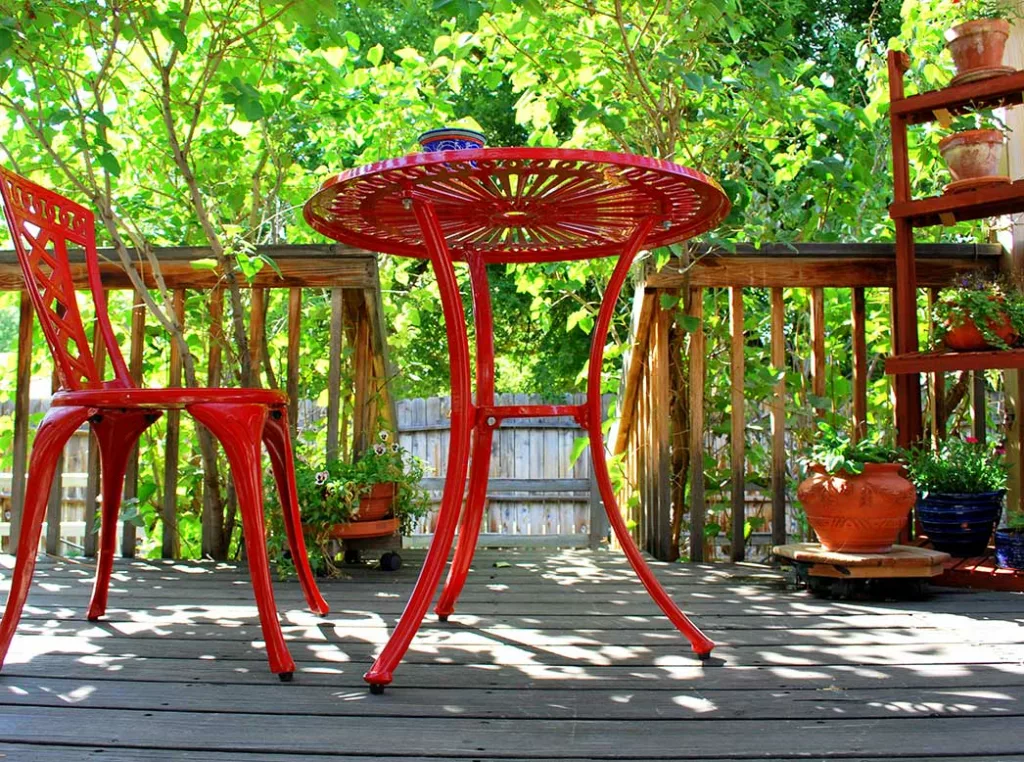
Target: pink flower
{"points": [[1000, 451], [971, 440]]}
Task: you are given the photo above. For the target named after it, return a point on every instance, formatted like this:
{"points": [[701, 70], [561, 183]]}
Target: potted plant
{"points": [[978, 312], [377, 495], [978, 41], [974, 151], [1010, 544], [960, 488], [855, 498]]}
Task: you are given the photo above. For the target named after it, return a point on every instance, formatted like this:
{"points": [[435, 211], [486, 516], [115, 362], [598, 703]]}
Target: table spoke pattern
{"points": [[516, 204]]}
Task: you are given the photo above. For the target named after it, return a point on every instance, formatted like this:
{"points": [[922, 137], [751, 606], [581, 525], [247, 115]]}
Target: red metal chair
{"points": [[42, 224]]}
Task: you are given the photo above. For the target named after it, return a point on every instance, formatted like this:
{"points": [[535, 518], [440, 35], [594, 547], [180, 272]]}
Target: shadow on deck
{"points": [[552, 655]]}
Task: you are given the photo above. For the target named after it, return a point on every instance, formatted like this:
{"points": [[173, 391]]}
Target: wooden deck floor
{"points": [[554, 655]]}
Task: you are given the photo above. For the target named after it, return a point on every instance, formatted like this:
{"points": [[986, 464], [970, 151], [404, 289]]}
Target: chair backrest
{"points": [[42, 223]]}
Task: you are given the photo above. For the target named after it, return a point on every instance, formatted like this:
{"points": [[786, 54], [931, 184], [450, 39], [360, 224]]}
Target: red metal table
{"points": [[500, 205]]}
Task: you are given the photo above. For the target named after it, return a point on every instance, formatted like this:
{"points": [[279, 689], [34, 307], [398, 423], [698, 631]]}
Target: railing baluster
{"points": [[818, 346], [778, 418], [334, 373], [92, 484], [294, 329], [661, 523], [698, 508], [53, 507], [171, 544], [21, 415], [860, 365], [256, 331], [937, 387], [131, 481], [737, 345]]}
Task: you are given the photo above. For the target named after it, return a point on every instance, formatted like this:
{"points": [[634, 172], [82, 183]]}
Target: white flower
{"points": [[380, 449], [384, 436], [395, 447], [321, 477]]}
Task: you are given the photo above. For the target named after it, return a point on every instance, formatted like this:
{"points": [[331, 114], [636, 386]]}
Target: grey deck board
{"points": [[558, 655]]}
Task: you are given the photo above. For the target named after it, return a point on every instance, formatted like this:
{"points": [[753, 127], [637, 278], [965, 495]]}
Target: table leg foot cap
{"points": [[704, 657], [285, 677], [376, 689], [442, 617]]}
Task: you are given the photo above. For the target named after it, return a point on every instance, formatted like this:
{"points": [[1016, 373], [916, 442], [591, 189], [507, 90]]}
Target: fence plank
{"points": [[294, 332], [698, 507], [54, 505], [778, 418], [131, 481], [737, 346], [661, 524], [21, 413], [171, 545]]}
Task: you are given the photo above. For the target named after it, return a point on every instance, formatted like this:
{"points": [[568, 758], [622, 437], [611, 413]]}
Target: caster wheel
{"points": [[390, 562], [285, 677], [353, 557], [442, 617], [376, 689]]}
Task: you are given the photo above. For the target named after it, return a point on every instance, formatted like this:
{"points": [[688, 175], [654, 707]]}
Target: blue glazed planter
{"points": [[960, 525], [450, 139], [1010, 549]]}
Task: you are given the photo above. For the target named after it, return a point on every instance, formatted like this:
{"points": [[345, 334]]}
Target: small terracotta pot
{"points": [[377, 504], [973, 153], [862, 513], [978, 44], [966, 337]]}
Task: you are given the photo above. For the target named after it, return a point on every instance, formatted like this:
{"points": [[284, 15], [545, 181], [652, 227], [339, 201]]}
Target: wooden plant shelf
{"points": [[992, 201], [933, 362], [997, 92]]}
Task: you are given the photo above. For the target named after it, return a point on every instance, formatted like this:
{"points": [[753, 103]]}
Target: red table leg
{"points": [[483, 433], [702, 645], [380, 674]]}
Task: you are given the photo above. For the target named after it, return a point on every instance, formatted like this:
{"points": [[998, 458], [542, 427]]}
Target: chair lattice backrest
{"points": [[42, 224]]}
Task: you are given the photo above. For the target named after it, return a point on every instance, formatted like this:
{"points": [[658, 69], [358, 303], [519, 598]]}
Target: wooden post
{"points": [[698, 508], [1012, 238], [131, 481], [92, 486], [21, 415], [661, 461], [334, 374], [53, 507], [737, 346], [599, 526], [978, 414], [362, 424], [818, 347], [860, 365], [292, 386], [256, 330], [778, 418], [171, 544], [213, 371]]}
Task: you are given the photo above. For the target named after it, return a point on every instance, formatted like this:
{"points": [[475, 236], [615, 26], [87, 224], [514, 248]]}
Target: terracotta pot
{"points": [[966, 337], [376, 505], [862, 513], [973, 153], [978, 44]]}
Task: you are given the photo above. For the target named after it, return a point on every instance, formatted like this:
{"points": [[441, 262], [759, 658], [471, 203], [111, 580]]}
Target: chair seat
{"points": [[167, 399]]}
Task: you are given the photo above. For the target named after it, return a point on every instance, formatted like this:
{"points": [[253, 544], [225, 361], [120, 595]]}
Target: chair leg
{"points": [[469, 530], [279, 446], [116, 432], [239, 427], [55, 430]]}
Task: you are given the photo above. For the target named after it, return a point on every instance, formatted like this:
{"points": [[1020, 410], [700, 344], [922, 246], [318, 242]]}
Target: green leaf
{"points": [[375, 54], [689, 323], [6, 40], [110, 163], [204, 264], [669, 301], [250, 108], [177, 38], [579, 444]]}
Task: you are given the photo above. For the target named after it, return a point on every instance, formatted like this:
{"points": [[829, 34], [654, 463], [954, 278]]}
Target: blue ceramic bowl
{"points": [[960, 525], [450, 139], [1010, 549]]}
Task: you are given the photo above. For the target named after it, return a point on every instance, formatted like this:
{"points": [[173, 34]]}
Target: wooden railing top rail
{"points": [[828, 265], [308, 265]]}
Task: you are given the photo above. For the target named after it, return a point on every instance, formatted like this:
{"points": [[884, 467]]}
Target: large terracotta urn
{"points": [[861, 513]]}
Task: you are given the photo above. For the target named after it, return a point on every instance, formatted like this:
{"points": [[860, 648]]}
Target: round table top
{"points": [[517, 204]]}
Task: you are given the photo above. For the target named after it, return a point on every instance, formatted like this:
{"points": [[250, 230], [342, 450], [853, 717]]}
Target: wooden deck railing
{"points": [[356, 319], [652, 378]]}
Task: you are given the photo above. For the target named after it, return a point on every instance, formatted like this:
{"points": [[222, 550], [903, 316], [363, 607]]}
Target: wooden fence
{"points": [[356, 319], [647, 440], [536, 494]]}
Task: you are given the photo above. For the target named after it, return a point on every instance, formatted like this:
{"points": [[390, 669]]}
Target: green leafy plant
{"points": [[330, 495], [836, 451], [987, 301], [970, 10], [959, 467]]}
